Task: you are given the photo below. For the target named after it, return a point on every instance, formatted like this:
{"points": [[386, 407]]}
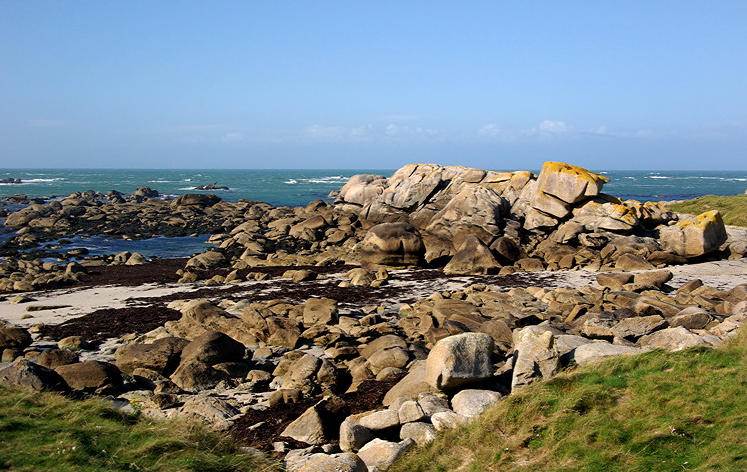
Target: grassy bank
{"points": [[653, 412], [50, 432], [733, 208]]}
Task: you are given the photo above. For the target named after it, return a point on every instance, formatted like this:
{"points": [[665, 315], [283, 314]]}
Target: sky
{"points": [[276, 84]]}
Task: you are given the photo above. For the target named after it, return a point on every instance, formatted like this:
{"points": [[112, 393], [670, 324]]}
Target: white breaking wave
{"points": [[291, 181], [42, 180], [658, 177]]}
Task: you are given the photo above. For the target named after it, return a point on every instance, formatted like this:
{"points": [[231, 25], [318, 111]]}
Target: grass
{"points": [[653, 412], [733, 208], [50, 432]]}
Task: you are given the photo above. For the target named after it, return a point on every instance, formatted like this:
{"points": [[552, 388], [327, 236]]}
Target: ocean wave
{"points": [[31, 181], [659, 177], [161, 181], [332, 179]]}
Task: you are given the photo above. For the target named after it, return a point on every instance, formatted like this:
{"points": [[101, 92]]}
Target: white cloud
{"points": [[492, 129], [325, 133], [369, 132], [232, 137], [553, 126]]}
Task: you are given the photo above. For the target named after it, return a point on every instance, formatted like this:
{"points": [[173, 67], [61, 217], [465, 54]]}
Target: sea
{"points": [[297, 187]]}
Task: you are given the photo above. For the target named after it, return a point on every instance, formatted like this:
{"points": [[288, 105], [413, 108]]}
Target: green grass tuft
{"points": [[657, 411], [50, 432], [733, 208]]}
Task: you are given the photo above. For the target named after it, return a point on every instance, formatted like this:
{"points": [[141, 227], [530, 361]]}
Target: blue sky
{"points": [[342, 84]]}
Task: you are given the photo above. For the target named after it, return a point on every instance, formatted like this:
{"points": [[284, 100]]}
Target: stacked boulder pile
{"points": [[472, 221], [481, 221]]}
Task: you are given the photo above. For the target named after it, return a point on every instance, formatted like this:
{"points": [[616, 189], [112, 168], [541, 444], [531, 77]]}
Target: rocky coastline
{"points": [[343, 333]]}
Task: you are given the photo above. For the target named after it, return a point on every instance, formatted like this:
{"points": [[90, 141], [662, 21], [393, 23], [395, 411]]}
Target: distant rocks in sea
{"points": [[212, 186], [10, 180]]}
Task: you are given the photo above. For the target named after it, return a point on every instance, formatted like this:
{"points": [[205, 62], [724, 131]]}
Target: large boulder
{"points": [[320, 311], [208, 260], [196, 199], [535, 356], [605, 213], [14, 337], [25, 374], [90, 375], [380, 454], [472, 402], [472, 257], [392, 244], [560, 185], [460, 359], [320, 423], [162, 355], [695, 237], [474, 210], [212, 348]]}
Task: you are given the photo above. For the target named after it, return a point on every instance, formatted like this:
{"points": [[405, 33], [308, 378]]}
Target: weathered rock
{"points": [[596, 351], [354, 436], [614, 280], [629, 262], [605, 213], [208, 408], [90, 375], [28, 375], [208, 260], [460, 359], [410, 411], [52, 358], [196, 199], [564, 184], [72, 343], [379, 420], [634, 328], [535, 356], [472, 402], [162, 355], [320, 311], [672, 339], [14, 337], [691, 318], [657, 278], [410, 386], [445, 420], [474, 210], [212, 348], [320, 423], [195, 376], [343, 462], [392, 244], [380, 455], [695, 237], [421, 433], [472, 257]]}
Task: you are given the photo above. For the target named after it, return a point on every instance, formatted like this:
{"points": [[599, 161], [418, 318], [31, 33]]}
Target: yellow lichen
{"points": [[577, 171]]}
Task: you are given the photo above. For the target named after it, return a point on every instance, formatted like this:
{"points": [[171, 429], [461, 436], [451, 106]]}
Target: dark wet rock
{"points": [[90, 375], [28, 375]]}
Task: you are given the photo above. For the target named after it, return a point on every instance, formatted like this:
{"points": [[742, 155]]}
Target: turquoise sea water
{"points": [[299, 187]]}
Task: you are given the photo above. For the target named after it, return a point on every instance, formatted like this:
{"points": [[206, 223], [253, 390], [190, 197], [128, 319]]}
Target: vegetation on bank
{"points": [[733, 208], [657, 411], [50, 432]]}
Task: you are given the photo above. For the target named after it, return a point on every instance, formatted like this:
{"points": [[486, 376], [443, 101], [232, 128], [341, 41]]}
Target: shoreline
{"points": [[77, 301]]}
